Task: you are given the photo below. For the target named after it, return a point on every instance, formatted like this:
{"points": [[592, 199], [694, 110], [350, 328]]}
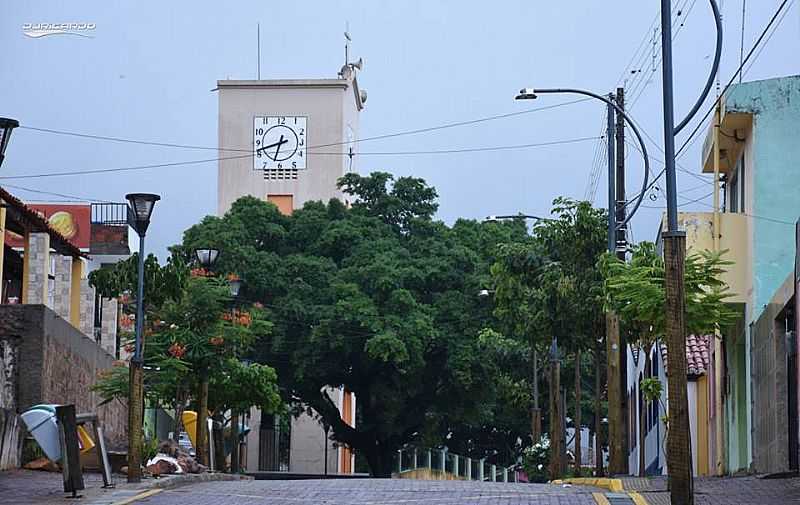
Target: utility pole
{"points": [[616, 451], [621, 248], [679, 454]]}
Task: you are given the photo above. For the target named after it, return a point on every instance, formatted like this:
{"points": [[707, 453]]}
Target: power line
{"points": [[689, 140], [71, 198], [379, 153], [366, 139]]}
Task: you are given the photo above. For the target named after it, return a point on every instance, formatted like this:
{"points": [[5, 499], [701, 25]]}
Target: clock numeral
{"points": [[300, 142], [281, 120], [264, 165], [300, 153], [294, 164], [302, 131], [280, 165], [260, 131]]}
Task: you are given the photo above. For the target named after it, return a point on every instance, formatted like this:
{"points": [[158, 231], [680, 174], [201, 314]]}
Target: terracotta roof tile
{"points": [[697, 354]]}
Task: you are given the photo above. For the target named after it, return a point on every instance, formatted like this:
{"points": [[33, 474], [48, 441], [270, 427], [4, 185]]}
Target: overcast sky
{"points": [[149, 70]]}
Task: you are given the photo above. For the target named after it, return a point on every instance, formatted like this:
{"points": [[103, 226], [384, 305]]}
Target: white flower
{"points": [[173, 326]]}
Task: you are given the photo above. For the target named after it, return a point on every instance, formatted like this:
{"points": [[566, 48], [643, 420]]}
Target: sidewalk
{"points": [[749, 490], [28, 487]]}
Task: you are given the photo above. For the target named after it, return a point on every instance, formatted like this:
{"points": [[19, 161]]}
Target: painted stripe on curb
{"points": [[600, 498], [637, 498], [139, 496]]}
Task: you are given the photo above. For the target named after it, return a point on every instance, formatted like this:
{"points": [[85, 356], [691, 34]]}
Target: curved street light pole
{"points": [[679, 451], [532, 93]]}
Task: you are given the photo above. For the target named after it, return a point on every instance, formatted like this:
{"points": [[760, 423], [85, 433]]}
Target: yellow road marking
{"points": [[601, 499], [139, 496]]}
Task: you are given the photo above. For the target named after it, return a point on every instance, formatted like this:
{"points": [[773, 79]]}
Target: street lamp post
{"points": [[206, 257], [140, 209], [7, 125], [617, 456], [679, 453], [536, 412]]}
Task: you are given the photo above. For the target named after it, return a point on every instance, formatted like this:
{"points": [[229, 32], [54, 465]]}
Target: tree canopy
{"points": [[377, 298]]}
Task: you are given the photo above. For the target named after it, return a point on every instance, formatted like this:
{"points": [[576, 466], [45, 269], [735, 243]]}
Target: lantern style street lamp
{"points": [[140, 209], [234, 284], [206, 256], [7, 125]]}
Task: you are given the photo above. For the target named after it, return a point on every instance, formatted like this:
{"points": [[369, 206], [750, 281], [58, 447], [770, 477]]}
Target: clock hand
{"points": [[264, 148], [278, 150]]}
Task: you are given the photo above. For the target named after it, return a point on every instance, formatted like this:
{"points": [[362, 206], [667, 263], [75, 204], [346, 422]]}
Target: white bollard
{"points": [[480, 469], [505, 474], [494, 473], [468, 472], [455, 465]]}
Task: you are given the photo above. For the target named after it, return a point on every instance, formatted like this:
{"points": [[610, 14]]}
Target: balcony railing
{"points": [[110, 214]]}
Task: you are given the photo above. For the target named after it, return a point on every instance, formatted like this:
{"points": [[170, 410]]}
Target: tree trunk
{"points": [[180, 406], [219, 443], [235, 441], [202, 416], [598, 413], [380, 460], [679, 452], [536, 413], [578, 454]]}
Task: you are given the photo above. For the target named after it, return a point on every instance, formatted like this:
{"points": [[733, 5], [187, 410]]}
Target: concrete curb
{"points": [[139, 496], [613, 485], [172, 481]]}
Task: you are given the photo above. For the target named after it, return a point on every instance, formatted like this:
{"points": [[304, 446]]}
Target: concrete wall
{"points": [[771, 155], [55, 363], [330, 106]]}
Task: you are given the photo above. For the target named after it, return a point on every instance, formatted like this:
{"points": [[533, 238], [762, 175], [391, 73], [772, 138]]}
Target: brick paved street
{"points": [[729, 491], [371, 492]]}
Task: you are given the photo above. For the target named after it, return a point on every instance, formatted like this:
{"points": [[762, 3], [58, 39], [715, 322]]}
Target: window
{"points": [[736, 189]]}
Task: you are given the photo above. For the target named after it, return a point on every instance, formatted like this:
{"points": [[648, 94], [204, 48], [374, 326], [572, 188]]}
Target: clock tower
{"points": [[287, 141]]}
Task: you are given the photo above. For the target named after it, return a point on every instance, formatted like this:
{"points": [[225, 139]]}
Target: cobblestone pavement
{"points": [[371, 492], [25, 487], [729, 491]]}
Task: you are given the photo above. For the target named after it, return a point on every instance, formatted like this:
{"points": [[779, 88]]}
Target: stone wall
{"points": [[62, 284], [55, 363], [38, 267]]}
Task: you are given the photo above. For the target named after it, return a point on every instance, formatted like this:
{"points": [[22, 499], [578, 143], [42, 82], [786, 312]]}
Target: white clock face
{"points": [[279, 142]]}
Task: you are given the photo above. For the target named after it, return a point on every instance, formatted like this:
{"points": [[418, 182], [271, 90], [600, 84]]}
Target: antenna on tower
{"points": [[347, 40], [258, 43]]}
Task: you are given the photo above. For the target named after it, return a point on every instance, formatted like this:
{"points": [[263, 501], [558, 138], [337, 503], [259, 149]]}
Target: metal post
{"points": [[612, 201], [494, 473], [430, 460], [137, 354], [414, 459], [505, 474], [399, 461], [679, 456], [669, 115], [444, 461], [455, 465], [136, 397], [481, 463], [468, 472]]}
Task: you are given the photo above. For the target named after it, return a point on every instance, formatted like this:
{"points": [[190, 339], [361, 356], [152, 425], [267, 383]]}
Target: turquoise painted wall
{"points": [[775, 171]]}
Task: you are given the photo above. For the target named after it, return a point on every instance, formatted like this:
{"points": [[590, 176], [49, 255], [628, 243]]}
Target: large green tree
{"points": [[550, 286], [378, 298]]}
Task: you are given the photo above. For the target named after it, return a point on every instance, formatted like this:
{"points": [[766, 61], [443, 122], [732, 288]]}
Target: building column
{"points": [[63, 284], [2, 246], [87, 309], [37, 261], [75, 292], [108, 325]]}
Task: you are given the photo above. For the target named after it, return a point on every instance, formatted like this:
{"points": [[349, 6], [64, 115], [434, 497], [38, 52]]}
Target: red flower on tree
{"points": [[177, 350], [216, 341]]}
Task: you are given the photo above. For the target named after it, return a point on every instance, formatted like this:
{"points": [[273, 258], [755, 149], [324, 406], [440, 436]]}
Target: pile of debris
{"points": [[172, 458]]}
